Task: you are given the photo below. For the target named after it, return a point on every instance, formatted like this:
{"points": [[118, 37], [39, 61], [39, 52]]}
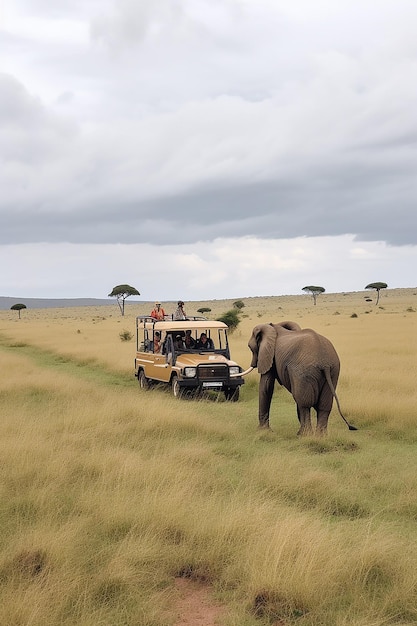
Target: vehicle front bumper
{"points": [[195, 383]]}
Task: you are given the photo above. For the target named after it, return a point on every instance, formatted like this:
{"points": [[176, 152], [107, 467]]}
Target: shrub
{"points": [[125, 335], [231, 318]]}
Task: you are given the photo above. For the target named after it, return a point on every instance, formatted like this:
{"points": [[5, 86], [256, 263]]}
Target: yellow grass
{"points": [[108, 492]]}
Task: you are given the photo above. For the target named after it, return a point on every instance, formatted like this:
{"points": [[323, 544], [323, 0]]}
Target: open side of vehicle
{"points": [[191, 355]]}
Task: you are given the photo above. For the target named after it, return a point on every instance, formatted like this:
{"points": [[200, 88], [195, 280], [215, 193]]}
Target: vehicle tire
{"points": [[197, 393], [176, 389], [143, 381], [232, 394]]}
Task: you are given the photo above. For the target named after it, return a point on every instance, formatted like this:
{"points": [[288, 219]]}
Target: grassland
{"points": [[109, 493]]}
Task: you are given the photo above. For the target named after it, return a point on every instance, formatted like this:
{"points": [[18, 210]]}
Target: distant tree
{"points": [[239, 304], [18, 307], [121, 292], [231, 318], [315, 291], [378, 287], [204, 309]]}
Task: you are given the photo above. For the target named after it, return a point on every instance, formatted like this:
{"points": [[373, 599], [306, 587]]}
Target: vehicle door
{"points": [[160, 366]]}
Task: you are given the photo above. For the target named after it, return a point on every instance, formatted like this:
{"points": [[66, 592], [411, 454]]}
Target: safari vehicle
{"points": [[187, 369]]}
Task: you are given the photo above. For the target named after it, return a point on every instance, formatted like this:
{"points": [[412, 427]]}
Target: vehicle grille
{"points": [[213, 372]]}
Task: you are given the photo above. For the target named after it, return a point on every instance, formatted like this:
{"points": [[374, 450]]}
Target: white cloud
{"points": [[204, 271]]}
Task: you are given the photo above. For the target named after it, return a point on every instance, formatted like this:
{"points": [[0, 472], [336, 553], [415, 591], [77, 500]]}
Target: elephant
{"points": [[305, 363]]}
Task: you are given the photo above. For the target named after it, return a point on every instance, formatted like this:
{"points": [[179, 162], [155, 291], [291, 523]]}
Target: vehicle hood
{"points": [[192, 360]]}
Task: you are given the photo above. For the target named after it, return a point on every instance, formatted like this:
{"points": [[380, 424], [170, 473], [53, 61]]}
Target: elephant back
{"points": [[289, 325], [321, 349]]}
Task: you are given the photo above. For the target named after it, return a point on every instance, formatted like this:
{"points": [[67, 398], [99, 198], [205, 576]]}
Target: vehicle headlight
{"points": [[190, 372], [234, 369]]}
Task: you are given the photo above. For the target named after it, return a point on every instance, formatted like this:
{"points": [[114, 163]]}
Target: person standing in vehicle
{"points": [[180, 313], [158, 312]]}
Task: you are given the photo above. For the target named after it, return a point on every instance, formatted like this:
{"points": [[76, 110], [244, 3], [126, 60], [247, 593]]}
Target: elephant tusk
{"points": [[242, 373]]}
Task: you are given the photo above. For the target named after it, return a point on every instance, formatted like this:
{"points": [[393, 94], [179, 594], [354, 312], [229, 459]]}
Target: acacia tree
{"points": [[18, 307], [378, 287], [121, 292], [315, 291]]}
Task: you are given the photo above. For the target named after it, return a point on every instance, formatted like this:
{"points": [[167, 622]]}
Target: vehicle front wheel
{"points": [[176, 389], [232, 394], [143, 381]]}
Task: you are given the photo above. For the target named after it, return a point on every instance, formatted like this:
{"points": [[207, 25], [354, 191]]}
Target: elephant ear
{"points": [[266, 340]]}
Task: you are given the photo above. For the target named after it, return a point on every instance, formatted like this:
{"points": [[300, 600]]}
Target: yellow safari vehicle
{"points": [[191, 355]]}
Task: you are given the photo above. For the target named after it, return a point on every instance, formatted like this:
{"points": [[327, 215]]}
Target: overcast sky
{"points": [[207, 149]]}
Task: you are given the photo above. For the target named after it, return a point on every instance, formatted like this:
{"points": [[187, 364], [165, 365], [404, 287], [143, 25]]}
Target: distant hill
{"points": [[48, 303]]}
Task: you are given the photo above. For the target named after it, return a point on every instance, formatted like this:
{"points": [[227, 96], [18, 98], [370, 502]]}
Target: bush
{"points": [[239, 304], [231, 318], [125, 335]]}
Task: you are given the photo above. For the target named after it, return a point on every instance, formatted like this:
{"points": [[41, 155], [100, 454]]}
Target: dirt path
{"points": [[194, 605]]}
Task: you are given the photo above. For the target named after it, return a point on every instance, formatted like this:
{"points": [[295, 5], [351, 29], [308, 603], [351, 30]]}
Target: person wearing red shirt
{"points": [[158, 312]]}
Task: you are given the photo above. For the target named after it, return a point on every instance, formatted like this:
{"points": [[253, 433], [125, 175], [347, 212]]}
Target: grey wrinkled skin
{"points": [[305, 363]]}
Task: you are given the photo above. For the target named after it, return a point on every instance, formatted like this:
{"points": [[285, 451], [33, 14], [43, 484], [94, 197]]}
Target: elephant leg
{"points": [[304, 417], [266, 390], [322, 419], [323, 408]]}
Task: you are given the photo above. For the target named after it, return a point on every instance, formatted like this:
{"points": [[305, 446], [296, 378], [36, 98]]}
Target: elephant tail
{"points": [[333, 390]]}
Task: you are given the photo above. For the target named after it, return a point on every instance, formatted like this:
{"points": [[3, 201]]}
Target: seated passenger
{"points": [[157, 342], [158, 312], [204, 343], [179, 343], [189, 341], [166, 346]]}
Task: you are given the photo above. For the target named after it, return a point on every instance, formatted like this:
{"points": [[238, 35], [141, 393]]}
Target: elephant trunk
{"points": [[254, 349]]}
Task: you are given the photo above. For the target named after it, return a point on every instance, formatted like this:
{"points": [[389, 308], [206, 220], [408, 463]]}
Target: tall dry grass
{"points": [[108, 493]]}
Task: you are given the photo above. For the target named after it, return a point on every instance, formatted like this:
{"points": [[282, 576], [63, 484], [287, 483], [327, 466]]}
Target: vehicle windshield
{"points": [[198, 340]]}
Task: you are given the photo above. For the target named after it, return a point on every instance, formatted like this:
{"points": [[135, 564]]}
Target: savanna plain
{"points": [[110, 493]]}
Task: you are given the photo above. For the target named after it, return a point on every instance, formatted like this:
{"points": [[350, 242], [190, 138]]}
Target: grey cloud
{"points": [[24, 117], [127, 22], [65, 98], [17, 106], [311, 133], [266, 210]]}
